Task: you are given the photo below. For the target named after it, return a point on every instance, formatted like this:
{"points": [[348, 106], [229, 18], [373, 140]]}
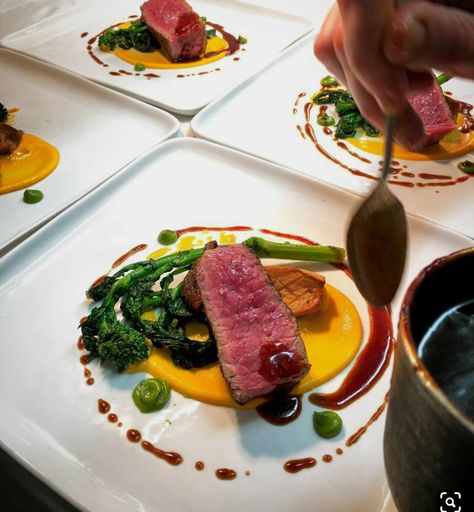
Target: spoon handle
{"points": [[387, 158]]}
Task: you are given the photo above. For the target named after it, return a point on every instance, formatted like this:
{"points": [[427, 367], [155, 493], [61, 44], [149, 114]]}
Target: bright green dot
{"points": [[466, 166], [31, 196], [329, 81], [327, 423], [167, 237], [242, 40], [151, 395], [139, 66]]}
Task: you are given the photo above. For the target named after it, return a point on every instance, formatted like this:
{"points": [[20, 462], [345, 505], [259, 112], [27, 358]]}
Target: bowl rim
{"points": [[405, 335]]}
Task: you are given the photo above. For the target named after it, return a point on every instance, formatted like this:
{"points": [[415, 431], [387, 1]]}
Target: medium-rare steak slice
{"points": [[179, 30], [259, 346], [427, 100]]}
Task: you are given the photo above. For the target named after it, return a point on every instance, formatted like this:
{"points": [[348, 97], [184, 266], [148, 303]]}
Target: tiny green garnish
{"points": [[242, 39], [329, 81], [31, 196], [325, 120], [211, 33], [167, 237], [466, 166], [139, 66], [203, 19], [327, 423], [151, 395]]}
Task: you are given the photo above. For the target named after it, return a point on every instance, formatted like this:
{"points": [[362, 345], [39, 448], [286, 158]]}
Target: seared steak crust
{"points": [[9, 138]]}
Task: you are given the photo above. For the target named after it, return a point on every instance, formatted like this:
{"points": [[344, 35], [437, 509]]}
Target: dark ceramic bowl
{"points": [[428, 440]]}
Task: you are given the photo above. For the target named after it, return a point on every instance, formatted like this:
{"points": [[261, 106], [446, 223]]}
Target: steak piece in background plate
{"points": [[428, 101], [10, 138], [259, 346], [179, 30]]}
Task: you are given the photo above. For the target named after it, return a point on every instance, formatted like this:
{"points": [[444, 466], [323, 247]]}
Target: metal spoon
{"points": [[377, 237]]}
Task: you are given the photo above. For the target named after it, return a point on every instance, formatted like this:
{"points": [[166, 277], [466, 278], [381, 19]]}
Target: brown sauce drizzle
{"points": [[133, 435], [199, 465], [226, 474], [369, 365], [96, 283], [80, 342], [151, 75], [361, 431], [172, 458], [103, 406], [90, 381], [281, 410], [84, 359], [233, 44], [307, 110], [327, 458], [129, 253], [296, 465], [327, 130], [443, 183], [84, 34], [300, 129], [343, 146], [309, 130], [114, 73], [87, 372]]}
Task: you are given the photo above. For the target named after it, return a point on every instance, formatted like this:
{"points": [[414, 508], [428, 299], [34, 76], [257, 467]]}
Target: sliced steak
{"points": [[178, 29], [259, 346], [427, 100], [10, 138]]}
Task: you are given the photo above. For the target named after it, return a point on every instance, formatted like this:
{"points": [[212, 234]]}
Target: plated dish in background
{"points": [[284, 128], [71, 40], [92, 433], [76, 135]]}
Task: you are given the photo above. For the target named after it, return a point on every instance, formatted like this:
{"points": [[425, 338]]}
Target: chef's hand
{"points": [[370, 46]]}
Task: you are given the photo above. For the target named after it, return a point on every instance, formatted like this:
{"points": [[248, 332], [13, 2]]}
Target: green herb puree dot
{"points": [[151, 395], [242, 40], [31, 196], [327, 423], [139, 66], [325, 120], [167, 237], [466, 166], [329, 81]]}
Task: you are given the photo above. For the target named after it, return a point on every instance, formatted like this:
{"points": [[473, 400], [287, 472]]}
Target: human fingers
{"points": [[425, 35], [364, 23], [323, 45]]}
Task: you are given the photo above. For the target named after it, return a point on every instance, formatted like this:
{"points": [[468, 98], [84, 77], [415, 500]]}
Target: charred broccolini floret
{"points": [[137, 36]]}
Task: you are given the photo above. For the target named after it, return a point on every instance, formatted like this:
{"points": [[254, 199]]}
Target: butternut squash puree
{"points": [[452, 145], [332, 337], [156, 60], [32, 160]]}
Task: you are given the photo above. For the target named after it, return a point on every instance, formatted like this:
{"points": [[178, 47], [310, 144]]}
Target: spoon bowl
{"points": [[377, 238]]}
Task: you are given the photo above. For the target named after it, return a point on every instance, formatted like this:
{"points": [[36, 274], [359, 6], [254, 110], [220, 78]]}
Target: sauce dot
{"points": [[327, 458], [226, 474], [199, 465], [134, 436], [103, 406]]}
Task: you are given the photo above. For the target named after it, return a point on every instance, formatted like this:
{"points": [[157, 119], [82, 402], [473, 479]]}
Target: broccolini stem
{"points": [[443, 78], [266, 249]]}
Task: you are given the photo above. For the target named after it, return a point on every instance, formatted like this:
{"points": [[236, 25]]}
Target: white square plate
{"points": [[97, 132], [51, 422], [260, 118], [58, 40]]}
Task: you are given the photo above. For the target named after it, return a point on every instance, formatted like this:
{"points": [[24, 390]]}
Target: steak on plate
{"points": [[259, 346], [427, 100], [9, 138], [178, 29]]}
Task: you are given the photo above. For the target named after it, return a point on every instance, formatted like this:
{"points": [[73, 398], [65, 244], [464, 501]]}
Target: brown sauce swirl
{"points": [[296, 465], [172, 458]]}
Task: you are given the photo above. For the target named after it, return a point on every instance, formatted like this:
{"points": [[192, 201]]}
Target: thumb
{"points": [[425, 35]]}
